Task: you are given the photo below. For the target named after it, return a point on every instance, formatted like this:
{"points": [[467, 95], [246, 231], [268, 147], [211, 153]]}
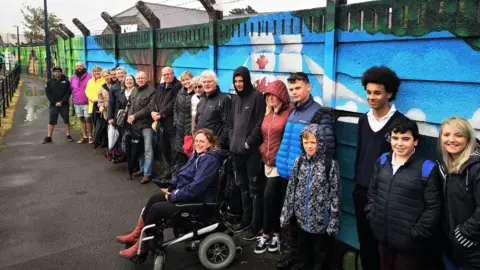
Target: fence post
{"points": [[4, 99], [330, 52]]}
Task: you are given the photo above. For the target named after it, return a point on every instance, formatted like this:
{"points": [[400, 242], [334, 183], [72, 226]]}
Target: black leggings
{"points": [[158, 208], [273, 203]]}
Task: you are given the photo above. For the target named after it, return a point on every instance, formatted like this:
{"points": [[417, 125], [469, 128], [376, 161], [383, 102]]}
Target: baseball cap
{"points": [[57, 69]]}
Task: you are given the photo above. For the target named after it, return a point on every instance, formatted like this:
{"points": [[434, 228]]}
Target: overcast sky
{"points": [[88, 11]]}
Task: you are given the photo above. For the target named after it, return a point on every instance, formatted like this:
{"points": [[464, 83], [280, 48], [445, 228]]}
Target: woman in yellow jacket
{"points": [[93, 87]]}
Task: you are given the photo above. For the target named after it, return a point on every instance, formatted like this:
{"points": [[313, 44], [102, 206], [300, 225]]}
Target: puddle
{"points": [[33, 91], [36, 101]]}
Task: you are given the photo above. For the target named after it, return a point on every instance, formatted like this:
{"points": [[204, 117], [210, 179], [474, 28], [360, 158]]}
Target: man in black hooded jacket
{"points": [[248, 111]]}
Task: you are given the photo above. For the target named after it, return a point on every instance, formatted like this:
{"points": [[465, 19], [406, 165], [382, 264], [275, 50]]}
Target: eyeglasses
{"points": [[198, 87]]}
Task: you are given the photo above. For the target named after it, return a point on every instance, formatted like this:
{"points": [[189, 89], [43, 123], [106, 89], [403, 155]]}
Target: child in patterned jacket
{"points": [[313, 198]]}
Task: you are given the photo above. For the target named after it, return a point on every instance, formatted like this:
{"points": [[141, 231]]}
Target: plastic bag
{"points": [[112, 136]]}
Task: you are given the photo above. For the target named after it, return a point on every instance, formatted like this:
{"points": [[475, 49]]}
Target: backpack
{"points": [[427, 167]]}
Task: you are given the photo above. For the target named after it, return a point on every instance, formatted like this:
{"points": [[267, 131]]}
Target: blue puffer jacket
{"points": [[290, 147], [196, 181]]}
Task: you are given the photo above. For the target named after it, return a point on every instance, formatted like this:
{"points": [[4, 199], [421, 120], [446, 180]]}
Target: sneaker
{"points": [[69, 138], [274, 244], [251, 235], [47, 140], [91, 140], [241, 227], [82, 140], [262, 245]]}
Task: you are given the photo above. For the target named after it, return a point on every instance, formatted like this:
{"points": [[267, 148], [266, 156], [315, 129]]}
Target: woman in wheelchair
{"points": [[195, 182]]}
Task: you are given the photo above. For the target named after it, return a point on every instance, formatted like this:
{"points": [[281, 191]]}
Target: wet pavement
{"points": [[62, 205]]}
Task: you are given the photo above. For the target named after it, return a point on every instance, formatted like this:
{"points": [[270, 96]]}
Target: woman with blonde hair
{"points": [[198, 89], [278, 107], [91, 91], [460, 171]]}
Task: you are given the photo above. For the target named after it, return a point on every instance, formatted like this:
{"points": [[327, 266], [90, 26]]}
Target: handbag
{"points": [[188, 145], [122, 114]]}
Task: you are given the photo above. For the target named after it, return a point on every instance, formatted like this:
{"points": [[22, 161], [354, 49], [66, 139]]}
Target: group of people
{"points": [[285, 167]]}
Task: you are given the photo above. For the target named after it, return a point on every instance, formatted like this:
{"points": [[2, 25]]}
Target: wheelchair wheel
{"points": [[159, 262], [217, 251]]}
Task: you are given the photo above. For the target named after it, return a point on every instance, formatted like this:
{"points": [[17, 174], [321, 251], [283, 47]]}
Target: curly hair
{"points": [[384, 76]]}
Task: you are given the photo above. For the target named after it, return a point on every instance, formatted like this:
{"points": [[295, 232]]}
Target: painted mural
{"points": [[433, 45], [9, 57]]}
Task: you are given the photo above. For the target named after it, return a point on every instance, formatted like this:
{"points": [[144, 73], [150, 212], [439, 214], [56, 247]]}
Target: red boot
{"points": [[131, 238], [131, 252]]}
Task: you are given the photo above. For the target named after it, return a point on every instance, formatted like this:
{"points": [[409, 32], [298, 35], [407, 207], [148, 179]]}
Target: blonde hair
{"points": [[269, 108], [186, 74], [97, 68], [196, 81], [307, 135], [106, 71], [466, 129]]}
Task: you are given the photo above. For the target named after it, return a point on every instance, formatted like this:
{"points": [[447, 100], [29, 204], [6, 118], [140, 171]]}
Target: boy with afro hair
{"points": [[373, 138]]}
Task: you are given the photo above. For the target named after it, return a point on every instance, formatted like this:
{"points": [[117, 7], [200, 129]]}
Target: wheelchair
{"points": [[203, 228]]}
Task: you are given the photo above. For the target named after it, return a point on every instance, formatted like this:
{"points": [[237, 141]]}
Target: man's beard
{"points": [[81, 72]]}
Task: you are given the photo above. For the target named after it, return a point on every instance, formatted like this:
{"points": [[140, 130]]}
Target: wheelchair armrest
{"points": [[194, 205]]}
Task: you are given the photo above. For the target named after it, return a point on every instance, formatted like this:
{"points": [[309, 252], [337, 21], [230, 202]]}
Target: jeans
{"points": [[146, 159], [249, 178]]}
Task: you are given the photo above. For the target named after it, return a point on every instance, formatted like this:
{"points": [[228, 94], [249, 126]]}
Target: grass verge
{"points": [[74, 122], [7, 122]]}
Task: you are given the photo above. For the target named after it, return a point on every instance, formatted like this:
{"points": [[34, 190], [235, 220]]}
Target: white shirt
{"points": [[127, 94], [395, 166], [375, 124]]}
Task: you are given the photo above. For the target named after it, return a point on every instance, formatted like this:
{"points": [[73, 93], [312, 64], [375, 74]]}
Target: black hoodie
{"points": [[461, 194], [58, 90], [248, 110]]}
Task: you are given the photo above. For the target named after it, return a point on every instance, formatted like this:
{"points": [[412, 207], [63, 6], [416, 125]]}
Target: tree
{"points": [[241, 11], [33, 21]]}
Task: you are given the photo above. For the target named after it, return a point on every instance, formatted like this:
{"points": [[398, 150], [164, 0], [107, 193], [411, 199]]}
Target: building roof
{"points": [[170, 16], [11, 39]]}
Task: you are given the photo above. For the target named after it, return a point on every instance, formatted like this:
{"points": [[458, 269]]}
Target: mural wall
{"points": [[434, 46]]}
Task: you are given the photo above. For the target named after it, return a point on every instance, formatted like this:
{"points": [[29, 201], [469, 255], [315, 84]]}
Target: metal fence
{"points": [[8, 85]]}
